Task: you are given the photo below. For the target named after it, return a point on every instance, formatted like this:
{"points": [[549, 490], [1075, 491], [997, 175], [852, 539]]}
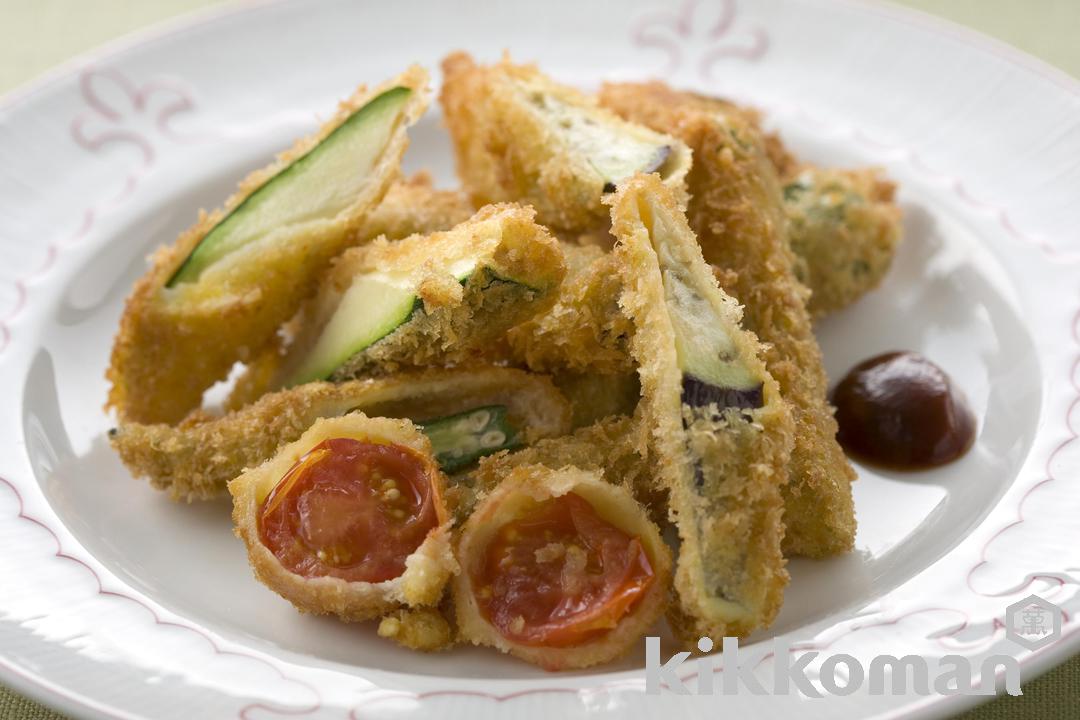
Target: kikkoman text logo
{"points": [[1032, 623]]}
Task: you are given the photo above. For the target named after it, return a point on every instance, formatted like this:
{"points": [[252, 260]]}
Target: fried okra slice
{"points": [[718, 431], [737, 214], [559, 568], [348, 520], [519, 136], [467, 413], [219, 294]]}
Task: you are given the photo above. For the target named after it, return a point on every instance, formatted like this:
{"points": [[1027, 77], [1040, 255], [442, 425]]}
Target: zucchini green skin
{"points": [[215, 244], [408, 328]]}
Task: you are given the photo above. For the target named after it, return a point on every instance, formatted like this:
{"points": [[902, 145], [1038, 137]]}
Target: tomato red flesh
{"points": [[560, 575], [349, 509]]}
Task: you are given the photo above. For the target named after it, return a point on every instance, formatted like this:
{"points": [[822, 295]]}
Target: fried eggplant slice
{"points": [[195, 459], [584, 331], [844, 227], [519, 136], [349, 519], [426, 300], [559, 568], [221, 291], [737, 214], [719, 432]]}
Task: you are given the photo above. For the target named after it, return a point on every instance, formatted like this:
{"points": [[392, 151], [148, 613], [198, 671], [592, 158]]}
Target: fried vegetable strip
{"points": [[844, 228], [425, 300], [518, 136], [712, 417], [195, 459], [737, 214], [188, 320]]}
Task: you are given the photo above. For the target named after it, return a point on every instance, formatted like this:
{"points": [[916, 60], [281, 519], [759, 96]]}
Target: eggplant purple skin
{"points": [[697, 393]]}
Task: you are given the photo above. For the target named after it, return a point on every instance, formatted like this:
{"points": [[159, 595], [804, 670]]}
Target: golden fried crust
{"points": [[594, 397], [195, 459], [424, 629], [506, 151], [414, 207], [722, 469], [845, 227], [615, 504], [584, 331], [608, 446], [737, 215], [427, 569], [173, 343]]}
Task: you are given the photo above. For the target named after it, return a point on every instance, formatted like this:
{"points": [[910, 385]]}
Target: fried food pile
{"points": [[475, 415]]}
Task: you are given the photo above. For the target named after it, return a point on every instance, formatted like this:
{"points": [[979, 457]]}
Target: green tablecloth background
{"points": [[36, 35]]}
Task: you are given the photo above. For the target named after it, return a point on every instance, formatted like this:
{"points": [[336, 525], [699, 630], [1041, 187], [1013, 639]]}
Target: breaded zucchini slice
{"points": [[436, 299], [584, 331], [719, 433], [348, 520], [221, 291], [737, 214], [844, 227], [519, 136], [559, 568], [197, 458]]}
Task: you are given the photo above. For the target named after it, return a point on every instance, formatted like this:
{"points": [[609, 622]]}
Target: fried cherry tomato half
{"points": [[349, 509], [560, 575]]}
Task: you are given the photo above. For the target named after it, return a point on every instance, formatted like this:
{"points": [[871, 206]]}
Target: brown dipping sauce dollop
{"points": [[902, 411]]}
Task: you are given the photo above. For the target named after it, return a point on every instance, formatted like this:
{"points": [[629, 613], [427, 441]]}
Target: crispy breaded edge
{"points": [[427, 569], [174, 343], [615, 504], [584, 331], [195, 459], [737, 215], [730, 574], [506, 152]]}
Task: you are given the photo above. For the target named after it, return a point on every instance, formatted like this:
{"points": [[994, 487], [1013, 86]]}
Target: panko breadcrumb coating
{"points": [[737, 214], [424, 629], [722, 464], [844, 227], [414, 207], [584, 330], [843, 224], [175, 342], [519, 136], [195, 459]]}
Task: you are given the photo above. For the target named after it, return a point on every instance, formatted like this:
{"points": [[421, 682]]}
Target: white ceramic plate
{"points": [[116, 602]]}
